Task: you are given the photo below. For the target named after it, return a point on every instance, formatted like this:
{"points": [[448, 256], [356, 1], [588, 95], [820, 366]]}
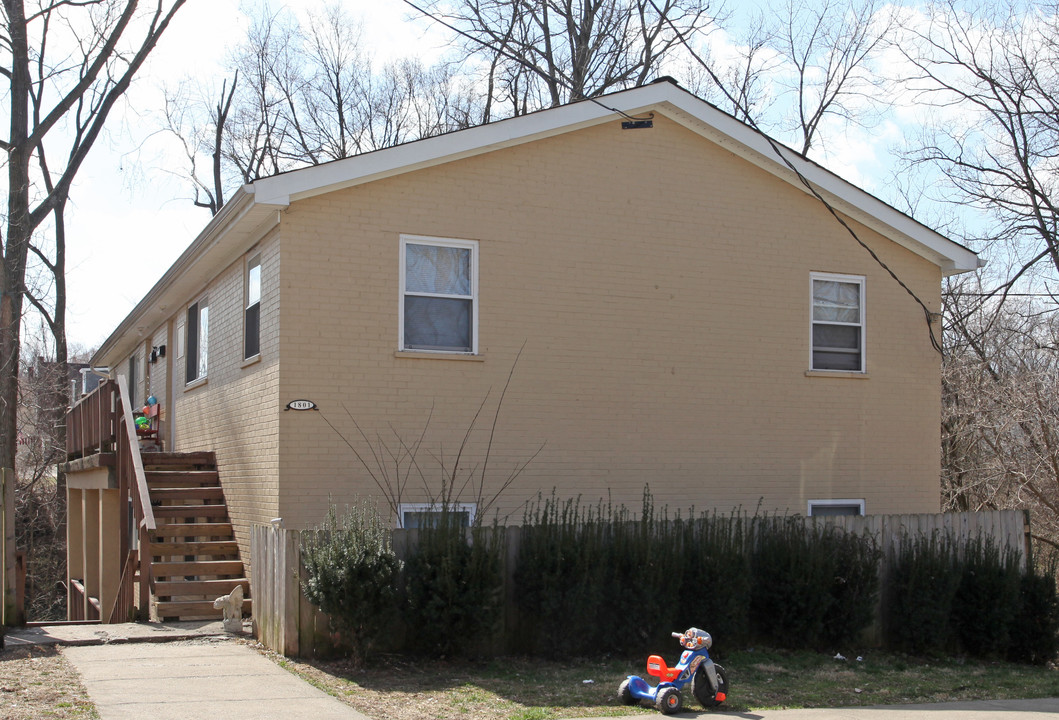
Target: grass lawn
{"points": [[406, 688]]}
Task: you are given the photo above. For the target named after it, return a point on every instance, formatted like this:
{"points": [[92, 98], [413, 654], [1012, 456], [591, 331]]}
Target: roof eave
{"points": [[239, 222], [663, 97]]}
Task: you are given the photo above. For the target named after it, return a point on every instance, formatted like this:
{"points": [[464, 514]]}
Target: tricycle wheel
{"points": [[625, 694], [704, 692], [669, 701]]}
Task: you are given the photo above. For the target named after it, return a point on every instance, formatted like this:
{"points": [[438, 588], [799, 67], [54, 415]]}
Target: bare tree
{"points": [[198, 123], [1000, 429], [830, 46], [40, 507], [746, 90], [66, 65], [991, 75], [988, 76], [790, 71], [544, 53], [304, 94]]}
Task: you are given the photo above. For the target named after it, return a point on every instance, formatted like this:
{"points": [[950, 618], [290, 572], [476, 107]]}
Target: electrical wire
{"points": [[929, 315]]}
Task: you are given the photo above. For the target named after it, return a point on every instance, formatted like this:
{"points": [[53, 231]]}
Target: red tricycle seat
{"points": [[657, 666]]}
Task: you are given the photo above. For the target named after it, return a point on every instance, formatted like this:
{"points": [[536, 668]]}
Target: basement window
{"points": [[412, 516], [826, 508]]}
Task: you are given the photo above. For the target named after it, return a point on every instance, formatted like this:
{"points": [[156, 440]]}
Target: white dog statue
{"points": [[232, 605]]}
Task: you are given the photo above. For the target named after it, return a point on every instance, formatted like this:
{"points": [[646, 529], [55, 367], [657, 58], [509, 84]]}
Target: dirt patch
{"points": [[37, 683]]}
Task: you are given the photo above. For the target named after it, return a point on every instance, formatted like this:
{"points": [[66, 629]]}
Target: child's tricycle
{"points": [[709, 681]]}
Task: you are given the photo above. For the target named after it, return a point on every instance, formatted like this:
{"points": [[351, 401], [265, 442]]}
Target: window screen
{"points": [[439, 288], [838, 324]]}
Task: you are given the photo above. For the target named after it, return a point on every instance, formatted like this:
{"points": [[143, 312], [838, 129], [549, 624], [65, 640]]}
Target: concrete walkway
{"points": [[201, 679], [76, 634]]}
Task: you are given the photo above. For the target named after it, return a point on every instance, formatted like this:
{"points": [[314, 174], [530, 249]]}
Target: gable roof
{"points": [[254, 209], [664, 98]]}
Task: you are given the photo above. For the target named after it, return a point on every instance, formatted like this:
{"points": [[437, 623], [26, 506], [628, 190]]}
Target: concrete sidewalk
{"points": [[1044, 709], [75, 634], [202, 679]]}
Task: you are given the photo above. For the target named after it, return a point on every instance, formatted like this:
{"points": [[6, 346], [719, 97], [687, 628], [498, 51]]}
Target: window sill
{"points": [[251, 361], [428, 355], [197, 382], [848, 374]]}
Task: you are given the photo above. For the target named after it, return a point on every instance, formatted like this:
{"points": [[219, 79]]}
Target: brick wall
{"points": [[234, 411], [660, 288]]}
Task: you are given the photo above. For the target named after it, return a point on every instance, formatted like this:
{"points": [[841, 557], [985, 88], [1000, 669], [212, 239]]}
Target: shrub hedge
{"points": [[453, 588], [590, 579], [974, 599], [593, 579]]}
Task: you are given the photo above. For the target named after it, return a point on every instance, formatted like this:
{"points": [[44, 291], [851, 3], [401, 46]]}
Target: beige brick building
{"points": [[689, 317]]}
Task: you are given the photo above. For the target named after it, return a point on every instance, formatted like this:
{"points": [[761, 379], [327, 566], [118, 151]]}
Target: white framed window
{"points": [[825, 508], [252, 314], [180, 337], [837, 314], [439, 294], [197, 334], [412, 516]]}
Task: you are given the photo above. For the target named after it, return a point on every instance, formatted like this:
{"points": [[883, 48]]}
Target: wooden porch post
{"points": [[75, 550], [111, 559]]}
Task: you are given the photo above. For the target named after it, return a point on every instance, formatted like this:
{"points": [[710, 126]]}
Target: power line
{"points": [[930, 316]]}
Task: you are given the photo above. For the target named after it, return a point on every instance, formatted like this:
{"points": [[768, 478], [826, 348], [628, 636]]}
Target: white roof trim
{"points": [[239, 223], [253, 209], [661, 97]]}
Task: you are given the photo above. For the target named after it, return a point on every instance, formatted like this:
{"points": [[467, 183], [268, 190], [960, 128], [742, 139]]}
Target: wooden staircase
{"points": [[195, 558]]}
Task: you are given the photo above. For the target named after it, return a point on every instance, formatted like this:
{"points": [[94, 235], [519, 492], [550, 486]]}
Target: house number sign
{"points": [[301, 405]]}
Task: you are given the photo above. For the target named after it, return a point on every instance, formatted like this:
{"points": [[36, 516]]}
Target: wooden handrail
{"points": [[137, 461]]}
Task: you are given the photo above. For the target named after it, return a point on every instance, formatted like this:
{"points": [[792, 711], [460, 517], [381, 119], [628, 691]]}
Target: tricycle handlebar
{"points": [[676, 634]]}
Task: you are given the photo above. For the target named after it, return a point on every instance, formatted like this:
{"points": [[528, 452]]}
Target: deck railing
{"points": [[82, 608], [90, 423], [102, 422]]}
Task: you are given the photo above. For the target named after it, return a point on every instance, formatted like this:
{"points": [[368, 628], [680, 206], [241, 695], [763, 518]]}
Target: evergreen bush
{"points": [[1034, 634], [923, 580], [453, 588], [351, 574], [591, 579], [854, 586], [987, 599], [559, 577], [716, 582], [813, 584]]}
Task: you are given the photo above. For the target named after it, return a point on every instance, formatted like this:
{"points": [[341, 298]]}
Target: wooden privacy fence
{"points": [[286, 622]]}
